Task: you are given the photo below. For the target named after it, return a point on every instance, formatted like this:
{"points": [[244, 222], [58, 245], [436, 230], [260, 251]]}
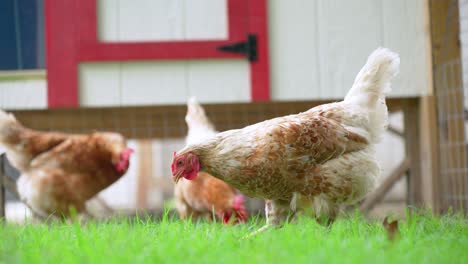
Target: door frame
{"points": [[72, 38]]}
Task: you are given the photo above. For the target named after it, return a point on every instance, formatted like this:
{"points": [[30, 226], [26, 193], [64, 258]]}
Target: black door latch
{"points": [[248, 48]]}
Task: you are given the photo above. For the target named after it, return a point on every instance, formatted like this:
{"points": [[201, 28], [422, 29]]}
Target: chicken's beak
{"points": [[177, 177]]}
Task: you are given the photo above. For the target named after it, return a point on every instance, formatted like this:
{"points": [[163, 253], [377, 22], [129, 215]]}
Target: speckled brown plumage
{"points": [[60, 171], [285, 156], [320, 158]]}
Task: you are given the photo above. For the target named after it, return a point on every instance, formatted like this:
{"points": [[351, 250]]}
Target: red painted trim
{"points": [[72, 29], [61, 47], [260, 70], [88, 22], [237, 19], [91, 49], [154, 51]]}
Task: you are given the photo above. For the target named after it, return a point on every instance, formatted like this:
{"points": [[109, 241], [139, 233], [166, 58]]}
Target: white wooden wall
{"points": [[317, 47], [145, 83], [159, 20], [463, 11], [23, 94]]}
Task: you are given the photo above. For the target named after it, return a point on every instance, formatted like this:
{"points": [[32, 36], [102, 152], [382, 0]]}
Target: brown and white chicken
{"points": [[62, 171], [324, 155], [206, 196]]}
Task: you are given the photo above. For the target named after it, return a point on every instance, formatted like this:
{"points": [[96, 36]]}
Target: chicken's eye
{"points": [[180, 163]]}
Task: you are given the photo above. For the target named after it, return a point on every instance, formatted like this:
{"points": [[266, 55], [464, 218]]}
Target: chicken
{"points": [[62, 171], [324, 156], [206, 196]]}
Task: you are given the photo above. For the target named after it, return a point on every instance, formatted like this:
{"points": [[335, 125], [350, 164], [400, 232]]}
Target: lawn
{"points": [[352, 239]]}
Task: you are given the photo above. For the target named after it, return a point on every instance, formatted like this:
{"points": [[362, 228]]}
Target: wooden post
{"points": [[2, 192], [449, 95], [421, 145], [10, 185], [411, 110], [145, 170], [429, 133], [429, 139]]}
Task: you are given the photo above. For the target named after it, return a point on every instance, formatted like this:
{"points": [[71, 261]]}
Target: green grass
{"points": [[423, 239]]}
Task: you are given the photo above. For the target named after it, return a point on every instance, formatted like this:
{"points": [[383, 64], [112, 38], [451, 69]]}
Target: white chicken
{"points": [[324, 155]]}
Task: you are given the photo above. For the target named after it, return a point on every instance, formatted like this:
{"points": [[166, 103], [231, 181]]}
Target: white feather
{"points": [[199, 127], [371, 85]]}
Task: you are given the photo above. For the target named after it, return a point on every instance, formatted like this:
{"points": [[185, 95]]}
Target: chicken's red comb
{"points": [[239, 201], [239, 211], [127, 152]]}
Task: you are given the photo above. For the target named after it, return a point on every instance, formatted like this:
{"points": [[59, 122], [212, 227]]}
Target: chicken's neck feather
{"points": [[224, 155]]}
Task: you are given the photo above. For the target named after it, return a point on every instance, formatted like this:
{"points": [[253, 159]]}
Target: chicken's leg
{"points": [[277, 212], [326, 211]]}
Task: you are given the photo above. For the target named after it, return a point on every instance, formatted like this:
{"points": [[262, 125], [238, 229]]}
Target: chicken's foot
{"points": [[277, 212]]}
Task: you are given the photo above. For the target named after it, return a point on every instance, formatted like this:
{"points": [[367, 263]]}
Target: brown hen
{"points": [[62, 171]]}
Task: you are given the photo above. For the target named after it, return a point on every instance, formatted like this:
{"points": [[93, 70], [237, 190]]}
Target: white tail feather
{"points": [[371, 85], [199, 126]]}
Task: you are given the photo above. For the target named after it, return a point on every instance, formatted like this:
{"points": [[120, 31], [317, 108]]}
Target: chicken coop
{"points": [[130, 66]]}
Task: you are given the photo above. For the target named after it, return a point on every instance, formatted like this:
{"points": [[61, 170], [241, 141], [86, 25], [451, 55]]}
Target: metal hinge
{"points": [[249, 47]]}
